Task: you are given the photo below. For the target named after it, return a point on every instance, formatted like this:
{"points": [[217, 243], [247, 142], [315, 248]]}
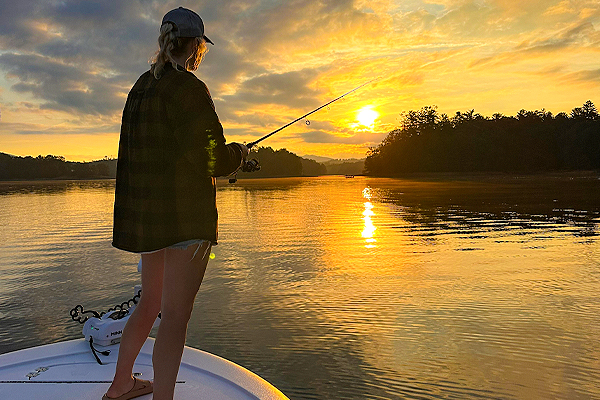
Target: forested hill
{"points": [[53, 167], [531, 141], [280, 163], [274, 163]]}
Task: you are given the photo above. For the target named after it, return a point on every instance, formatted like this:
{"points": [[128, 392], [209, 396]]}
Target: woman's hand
{"points": [[245, 150]]}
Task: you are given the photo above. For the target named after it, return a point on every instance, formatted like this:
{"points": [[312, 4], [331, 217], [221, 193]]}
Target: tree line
{"points": [[274, 163], [531, 141], [53, 167], [280, 163]]}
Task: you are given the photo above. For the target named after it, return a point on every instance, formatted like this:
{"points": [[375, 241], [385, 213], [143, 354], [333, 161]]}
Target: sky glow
{"points": [[66, 67]]}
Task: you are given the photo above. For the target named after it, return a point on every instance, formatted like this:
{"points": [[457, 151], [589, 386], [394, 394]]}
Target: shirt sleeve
{"points": [[199, 132]]}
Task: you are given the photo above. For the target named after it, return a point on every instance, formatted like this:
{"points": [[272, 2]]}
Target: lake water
{"points": [[339, 288]]}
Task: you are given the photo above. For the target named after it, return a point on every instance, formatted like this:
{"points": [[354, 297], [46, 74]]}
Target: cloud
{"points": [[468, 20], [19, 27], [81, 56], [286, 89], [62, 86], [24, 128], [568, 8], [350, 137], [578, 36], [273, 61], [585, 76], [582, 34], [83, 42], [224, 69], [270, 96], [75, 56]]}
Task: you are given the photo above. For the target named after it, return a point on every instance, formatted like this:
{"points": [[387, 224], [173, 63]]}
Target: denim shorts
{"points": [[187, 243], [181, 246]]}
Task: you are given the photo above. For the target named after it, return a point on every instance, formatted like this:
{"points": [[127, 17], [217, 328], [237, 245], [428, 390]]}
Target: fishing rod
{"points": [[252, 144], [252, 165]]}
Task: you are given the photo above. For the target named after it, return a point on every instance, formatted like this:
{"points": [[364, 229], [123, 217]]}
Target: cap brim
{"points": [[208, 40]]}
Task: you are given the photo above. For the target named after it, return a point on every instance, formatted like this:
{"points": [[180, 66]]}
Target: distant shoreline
{"points": [[588, 174], [53, 180], [441, 176], [273, 162]]}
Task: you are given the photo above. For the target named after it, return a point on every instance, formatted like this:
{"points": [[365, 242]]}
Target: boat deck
{"points": [[68, 370]]}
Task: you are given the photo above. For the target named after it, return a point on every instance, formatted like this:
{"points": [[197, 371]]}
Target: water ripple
{"points": [[336, 288]]}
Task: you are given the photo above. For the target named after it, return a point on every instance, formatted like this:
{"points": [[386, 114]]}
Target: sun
{"points": [[366, 116]]}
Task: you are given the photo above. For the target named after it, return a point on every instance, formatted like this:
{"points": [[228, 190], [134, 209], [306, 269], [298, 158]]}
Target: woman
{"points": [[171, 147]]}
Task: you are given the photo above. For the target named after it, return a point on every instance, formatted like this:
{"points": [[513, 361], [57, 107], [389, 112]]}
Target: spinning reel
{"points": [[251, 165]]}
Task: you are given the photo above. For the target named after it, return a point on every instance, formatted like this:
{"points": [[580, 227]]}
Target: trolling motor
{"points": [[106, 328], [251, 165]]}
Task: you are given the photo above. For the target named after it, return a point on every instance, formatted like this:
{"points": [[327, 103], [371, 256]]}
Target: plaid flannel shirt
{"points": [[171, 148]]}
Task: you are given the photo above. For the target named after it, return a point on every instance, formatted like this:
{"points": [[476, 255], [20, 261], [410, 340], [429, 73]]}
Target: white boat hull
{"points": [[68, 370]]}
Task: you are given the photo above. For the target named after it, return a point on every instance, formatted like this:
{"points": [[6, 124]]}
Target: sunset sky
{"points": [[66, 66]]}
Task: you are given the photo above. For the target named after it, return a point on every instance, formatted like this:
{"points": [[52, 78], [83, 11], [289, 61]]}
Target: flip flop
{"points": [[140, 388]]}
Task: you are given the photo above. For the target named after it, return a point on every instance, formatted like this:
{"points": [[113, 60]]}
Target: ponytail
{"points": [[169, 45]]}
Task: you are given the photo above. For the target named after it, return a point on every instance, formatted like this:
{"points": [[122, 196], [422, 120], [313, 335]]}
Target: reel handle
{"points": [[251, 165]]}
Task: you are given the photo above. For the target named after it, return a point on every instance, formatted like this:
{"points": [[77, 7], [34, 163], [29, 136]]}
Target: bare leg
{"points": [[182, 278], [140, 322]]}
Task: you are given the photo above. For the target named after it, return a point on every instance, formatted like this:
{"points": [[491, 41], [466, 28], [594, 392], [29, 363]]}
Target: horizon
{"points": [[66, 68], [306, 156], [314, 157]]}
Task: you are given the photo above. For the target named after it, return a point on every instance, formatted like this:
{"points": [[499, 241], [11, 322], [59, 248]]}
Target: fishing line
{"points": [[252, 144], [253, 165]]}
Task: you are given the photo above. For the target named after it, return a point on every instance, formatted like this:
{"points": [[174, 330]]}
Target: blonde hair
{"points": [[170, 45]]}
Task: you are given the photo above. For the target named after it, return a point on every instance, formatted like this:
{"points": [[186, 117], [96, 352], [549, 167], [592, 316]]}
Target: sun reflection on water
{"points": [[369, 229]]}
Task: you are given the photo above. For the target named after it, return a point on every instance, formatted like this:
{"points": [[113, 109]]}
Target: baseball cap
{"points": [[187, 23]]}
